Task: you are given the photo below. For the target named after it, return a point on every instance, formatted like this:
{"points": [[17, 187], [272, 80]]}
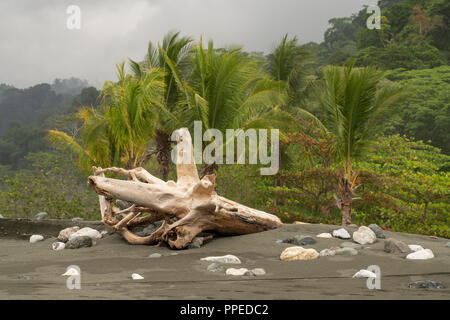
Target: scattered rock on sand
{"points": [[41, 216], [64, 234], [79, 242], [236, 272], [364, 235], [341, 233], [300, 240], [136, 276], [350, 245], [325, 235], [298, 253], [155, 255], [424, 254], [377, 230], [86, 232], [229, 258], [258, 271], [346, 252], [395, 246], [58, 246], [326, 252], [426, 284], [35, 238], [415, 247], [214, 267], [364, 274]]}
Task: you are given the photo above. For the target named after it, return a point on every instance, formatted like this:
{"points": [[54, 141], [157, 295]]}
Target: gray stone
{"points": [[214, 267], [77, 219], [364, 235], [395, 246], [353, 245], [447, 244], [229, 258], [341, 234], [24, 277], [258, 271], [352, 225], [300, 240], [155, 255], [281, 241], [346, 252], [35, 238], [2, 217], [327, 252], [79, 242], [194, 245], [426, 284], [41, 216], [249, 273], [377, 230], [123, 204], [64, 234]]}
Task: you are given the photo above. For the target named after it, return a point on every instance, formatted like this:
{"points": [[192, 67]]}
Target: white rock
{"points": [[71, 272], [364, 274], [35, 238], [64, 234], [58, 246], [364, 235], [421, 255], [88, 232], [258, 271], [327, 252], [415, 247], [229, 258], [136, 276], [341, 233], [324, 235], [236, 272], [298, 253]]}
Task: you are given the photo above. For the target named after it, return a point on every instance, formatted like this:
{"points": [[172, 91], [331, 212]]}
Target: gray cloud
{"points": [[37, 47]]}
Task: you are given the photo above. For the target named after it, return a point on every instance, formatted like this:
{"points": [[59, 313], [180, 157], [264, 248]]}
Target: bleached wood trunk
{"points": [[187, 207]]}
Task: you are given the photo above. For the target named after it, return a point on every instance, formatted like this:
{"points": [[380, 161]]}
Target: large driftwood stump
{"points": [[186, 207]]}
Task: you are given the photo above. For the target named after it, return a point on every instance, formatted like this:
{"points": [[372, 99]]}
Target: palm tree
{"points": [[118, 133], [178, 50], [349, 101], [293, 65], [227, 89]]}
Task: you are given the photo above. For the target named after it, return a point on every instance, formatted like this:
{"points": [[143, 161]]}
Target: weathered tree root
{"points": [[186, 207]]}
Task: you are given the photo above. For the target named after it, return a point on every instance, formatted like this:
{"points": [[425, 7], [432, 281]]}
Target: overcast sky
{"points": [[36, 45]]}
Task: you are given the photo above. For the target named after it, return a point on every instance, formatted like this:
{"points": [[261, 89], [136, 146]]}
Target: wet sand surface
{"points": [[33, 271]]}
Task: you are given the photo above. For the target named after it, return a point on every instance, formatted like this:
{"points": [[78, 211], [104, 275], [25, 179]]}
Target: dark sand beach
{"points": [[33, 271]]}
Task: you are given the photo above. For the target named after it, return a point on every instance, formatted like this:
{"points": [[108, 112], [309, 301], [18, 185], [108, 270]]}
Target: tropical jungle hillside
{"points": [[364, 120]]}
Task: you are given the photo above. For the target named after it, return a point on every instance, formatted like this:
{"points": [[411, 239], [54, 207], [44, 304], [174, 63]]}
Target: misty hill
{"points": [[33, 105]]}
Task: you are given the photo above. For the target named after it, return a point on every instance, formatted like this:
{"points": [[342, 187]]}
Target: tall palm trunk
{"points": [[346, 195], [209, 169], [163, 148]]}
